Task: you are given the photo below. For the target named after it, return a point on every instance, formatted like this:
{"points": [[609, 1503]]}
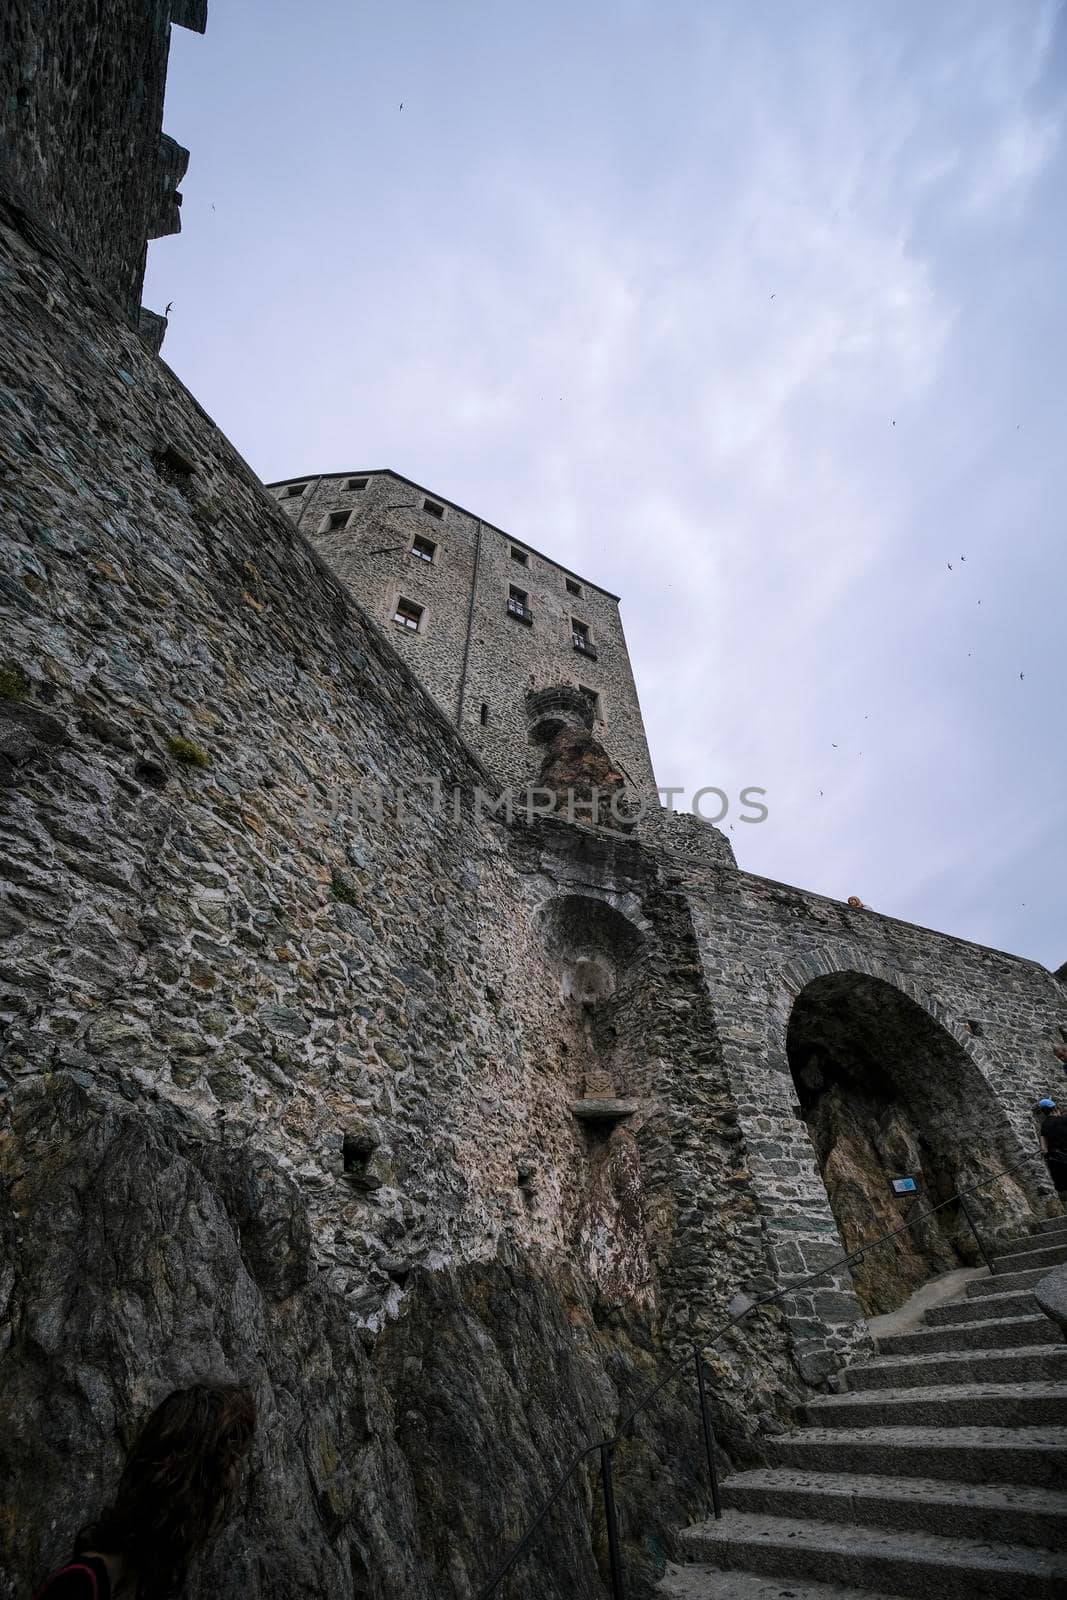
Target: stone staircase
{"points": [[941, 1470]]}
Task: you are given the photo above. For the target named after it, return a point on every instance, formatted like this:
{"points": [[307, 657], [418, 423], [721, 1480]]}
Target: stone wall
{"points": [[81, 108], [471, 652], [254, 997], [996, 1016]]}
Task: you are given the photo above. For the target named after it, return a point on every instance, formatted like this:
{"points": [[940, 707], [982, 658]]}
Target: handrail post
{"points": [[612, 1519], [709, 1439], [965, 1208]]}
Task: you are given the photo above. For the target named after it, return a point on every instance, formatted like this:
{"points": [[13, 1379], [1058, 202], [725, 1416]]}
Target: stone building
{"points": [[511, 645], [444, 1130], [82, 149]]}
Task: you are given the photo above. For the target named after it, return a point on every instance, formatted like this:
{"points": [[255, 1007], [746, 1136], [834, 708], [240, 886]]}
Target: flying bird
{"points": [[949, 565], [1022, 675], [166, 312], [401, 105], [834, 745], [963, 558]]}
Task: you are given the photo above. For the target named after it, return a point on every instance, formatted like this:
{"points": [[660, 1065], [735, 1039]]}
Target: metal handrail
{"points": [[606, 1447]]}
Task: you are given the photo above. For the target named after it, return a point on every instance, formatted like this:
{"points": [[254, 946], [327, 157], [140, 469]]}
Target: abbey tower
{"points": [[510, 644]]}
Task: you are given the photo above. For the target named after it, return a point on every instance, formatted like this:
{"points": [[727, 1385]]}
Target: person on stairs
{"points": [[1054, 1144]]}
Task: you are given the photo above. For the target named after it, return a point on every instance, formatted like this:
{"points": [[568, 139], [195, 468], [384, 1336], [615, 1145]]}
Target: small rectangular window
{"points": [[519, 555], [484, 714], [572, 587], [423, 549], [518, 604], [581, 640], [407, 615], [336, 519], [355, 484], [593, 698], [434, 508], [295, 489]]}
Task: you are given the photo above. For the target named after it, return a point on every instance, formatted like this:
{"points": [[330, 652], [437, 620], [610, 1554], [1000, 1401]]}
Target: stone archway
{"points": [[885, 1088]]}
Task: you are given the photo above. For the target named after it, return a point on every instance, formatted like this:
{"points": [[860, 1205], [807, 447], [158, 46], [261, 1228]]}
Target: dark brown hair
{"points": [[175, 1485]]}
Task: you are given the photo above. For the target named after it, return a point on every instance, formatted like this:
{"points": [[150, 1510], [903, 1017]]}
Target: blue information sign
{"points": [[904, 1185]]}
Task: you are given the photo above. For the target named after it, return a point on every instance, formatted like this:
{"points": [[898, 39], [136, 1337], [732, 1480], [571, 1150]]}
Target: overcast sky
{"points": [[751, 311]]}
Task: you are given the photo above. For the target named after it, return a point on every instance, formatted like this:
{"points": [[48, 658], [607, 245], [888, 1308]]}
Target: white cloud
{"points": [[584, 347], [1011, 162]]}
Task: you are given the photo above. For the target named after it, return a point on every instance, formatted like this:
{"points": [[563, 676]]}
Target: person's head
{"points": [[1060, 1052], [176, 1483], [1045, 1107]]}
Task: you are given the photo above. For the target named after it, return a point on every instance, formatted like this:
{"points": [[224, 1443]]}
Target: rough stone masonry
{"points": [[445, 1132]]}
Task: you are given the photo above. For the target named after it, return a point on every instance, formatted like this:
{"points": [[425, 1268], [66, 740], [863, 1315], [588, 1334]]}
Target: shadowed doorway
{"points": [[886, 1091]]}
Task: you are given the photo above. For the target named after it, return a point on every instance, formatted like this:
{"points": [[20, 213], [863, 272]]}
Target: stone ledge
{"points": [[603, 1110]]}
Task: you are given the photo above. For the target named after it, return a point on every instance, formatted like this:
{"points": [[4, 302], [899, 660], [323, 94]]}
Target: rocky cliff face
{"points": [[578, 771], [140, 1253]]}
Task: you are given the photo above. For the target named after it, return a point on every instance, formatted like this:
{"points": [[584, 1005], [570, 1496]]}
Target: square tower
{"points": [[511, 645]]}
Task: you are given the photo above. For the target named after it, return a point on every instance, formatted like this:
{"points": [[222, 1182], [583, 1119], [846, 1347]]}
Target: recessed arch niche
{"points": [[596, 954], [597, 962]]}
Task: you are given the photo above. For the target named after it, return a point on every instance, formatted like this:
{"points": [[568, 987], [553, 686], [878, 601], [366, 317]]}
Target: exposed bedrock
{"points": [[585, 781], [395, 1466]]}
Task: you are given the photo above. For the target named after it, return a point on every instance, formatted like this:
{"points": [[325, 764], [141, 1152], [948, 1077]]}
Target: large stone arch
{"points": [[799, 973], [903, 1083]]}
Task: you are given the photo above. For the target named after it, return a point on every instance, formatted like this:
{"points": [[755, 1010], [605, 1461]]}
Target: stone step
{"points": [[906, 1563], [1014, 1303], [1001, 1512], [1056, 1226], [1034, 1456], [993, 1333], [981, 1405], [1046, 1363], [1047, 1256], [696, 1582], [1001, 1282], [1054, 1232]]}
